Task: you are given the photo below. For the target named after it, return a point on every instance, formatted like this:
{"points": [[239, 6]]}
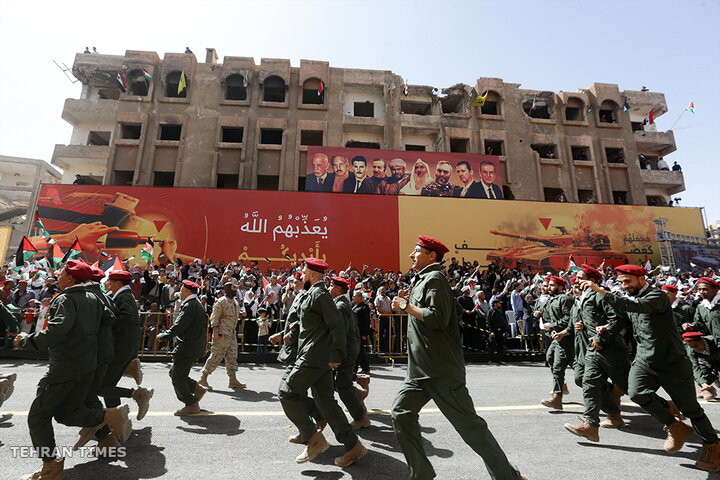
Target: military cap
{"points": [[631, 270], [341, 282], [96, 274], [592, 272], [78, 270], [669, 288], [194, 287], [119, 275], [556, 279], [316, 265], [22, 280], [708, 281], [690, 336], [432, 244]]}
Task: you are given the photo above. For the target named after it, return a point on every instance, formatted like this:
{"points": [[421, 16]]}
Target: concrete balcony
{"points": [[84, 111], [669, 181], [70, 157], [663, 143], [420, 124], [97, 70], [642, 102], [363, 124]]}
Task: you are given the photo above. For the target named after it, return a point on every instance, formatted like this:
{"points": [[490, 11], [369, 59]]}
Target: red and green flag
{"points": [[147, 76], [147, 251], [626, 106], [571, 268], [691, 108], [25, 252], [321, 88], [38, 224], [73, 253], [54, 255]]}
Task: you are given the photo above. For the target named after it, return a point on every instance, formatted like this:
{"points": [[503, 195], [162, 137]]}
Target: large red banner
{"points": [[282, 228]]}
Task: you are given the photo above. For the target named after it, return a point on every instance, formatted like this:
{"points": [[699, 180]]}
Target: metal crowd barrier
{"points": [[391, 336]]}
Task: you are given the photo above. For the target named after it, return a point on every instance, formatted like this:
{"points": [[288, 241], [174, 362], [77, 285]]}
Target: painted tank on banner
{"points": [[553, 252]]}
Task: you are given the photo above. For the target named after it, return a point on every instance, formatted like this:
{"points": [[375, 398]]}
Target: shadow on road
{"points": [[212, 424]]}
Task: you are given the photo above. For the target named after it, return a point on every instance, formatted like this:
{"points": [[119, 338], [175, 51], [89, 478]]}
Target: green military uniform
{"points": [[106, 344], [71, 338], [190, 333], [8, 319], [436, 371], [580, 343], [610, 361], [683, 313], [705, 364], [345, 372], [661, 360], [707, 317], [556, 312], [321, 340]]}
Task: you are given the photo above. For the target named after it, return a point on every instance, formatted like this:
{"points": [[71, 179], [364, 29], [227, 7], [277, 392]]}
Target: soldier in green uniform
{"points": [[7, 381], [682, 311], [606, 357], [190, 333], [661, 361], [344, 373], [555, 315], [436, 369], [705, 357], [71, 338], [321, 345]]}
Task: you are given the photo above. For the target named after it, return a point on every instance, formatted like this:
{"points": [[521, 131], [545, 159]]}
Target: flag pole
{"points": [[678, 119]]}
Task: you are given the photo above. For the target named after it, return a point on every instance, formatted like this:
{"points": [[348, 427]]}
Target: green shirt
{"points": [[288, 353], [683, 313], [595, 313], [434, 346], [8, 319], [350, 324], [321, 339], [127, 331], [106, 342], [708, 319], [190, 329], [556, 312]]}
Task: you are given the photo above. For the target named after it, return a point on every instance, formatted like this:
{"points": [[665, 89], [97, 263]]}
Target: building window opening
{"points": [[648, 162], [227, 180], [453, 103], [459, 145], [636, 126], [311, 137], [271, 136], [415, 108], [234, 89], [586, 196], [170, 132], [353, 144], [580, 153], [491, 105], [109, 93], [274, 89], [494, 147], [414, 148], [545, 151], [268, 182], [657, 201], [574, 110], [232, 134], [301, 184], [620, 197], [164, 179], [137, 84], [364, 109], [172, 81], [123, 178], [99, 138], [541, 109], [130, 131], [608, 112], [311, 87], [615, 155], [508, 193], [554, 195]]}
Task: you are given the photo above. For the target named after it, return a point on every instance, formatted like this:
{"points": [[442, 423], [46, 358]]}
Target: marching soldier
{"points": [[606, 357], [555, 313], [436, 369], [661, 361], [344, 373], [682, 311], [7, 381], [190, 333], [223, 320], [705, 357], [321, 345], [71, 338]]}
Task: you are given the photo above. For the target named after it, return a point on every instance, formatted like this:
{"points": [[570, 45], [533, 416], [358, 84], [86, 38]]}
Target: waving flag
{"points": [[121, 82], [54, 255], [73, 253], [26, 250], [147, 76], [690, 108], [147, 251], [650, 119], [571, 266], [183, 83], [480, 101]]}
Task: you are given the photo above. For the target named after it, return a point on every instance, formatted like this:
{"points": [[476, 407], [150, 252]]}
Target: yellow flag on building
{"points": [[183, 84], [480, 101]]}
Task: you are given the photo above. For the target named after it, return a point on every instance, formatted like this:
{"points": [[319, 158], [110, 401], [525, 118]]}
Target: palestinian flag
{"points": [[690, 108], [626, 106], [121, 82], [601, 268], [73, 253], [25, 252], [147, 251], [112, 264], [650, 119], [147, 76], [571, 268], [406, 89], [54, 255], [537, 279], [321, 88], [534, 104], [265, 282], [648, 265], [245, 82], [38, 224]]}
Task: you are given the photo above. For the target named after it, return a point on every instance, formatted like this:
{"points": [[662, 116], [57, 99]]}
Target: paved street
{"points": [[246, 435]]}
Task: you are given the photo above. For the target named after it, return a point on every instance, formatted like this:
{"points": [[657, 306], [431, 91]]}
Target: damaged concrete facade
{"points": [[245, 125]]}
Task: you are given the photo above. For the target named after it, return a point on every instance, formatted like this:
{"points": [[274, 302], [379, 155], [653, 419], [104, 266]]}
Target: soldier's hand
{"points": [[275, 338], [601, 329], [560, 335], [594, 344], [215, 336], [537, 314], [287, 339], [579, 326], [18, 338], [705, 387], [396, 303], [546, 326], [687, 326]]}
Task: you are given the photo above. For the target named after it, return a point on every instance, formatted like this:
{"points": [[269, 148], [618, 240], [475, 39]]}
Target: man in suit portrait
{"points": [[470, 188], [487, 175], [321, 180], [358, 184], [342, 173]]}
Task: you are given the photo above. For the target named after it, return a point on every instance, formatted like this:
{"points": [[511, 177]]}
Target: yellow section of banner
{"points": [[539, 235]]}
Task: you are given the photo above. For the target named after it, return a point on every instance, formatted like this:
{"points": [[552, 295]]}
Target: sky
{"points": [[672, 47]]}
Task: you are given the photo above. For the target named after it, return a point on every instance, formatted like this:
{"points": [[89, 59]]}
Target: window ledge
{"points": [[175, 99], [576, 123], [274, 104], [263, 146], [617, 165], [487, 116], [608, 125], [584, 163], [312, 106], [551, 161], [135, 98], [543, 121], [127, 141], [236, 103], [456, 115], [230, 145], [167, 143]]}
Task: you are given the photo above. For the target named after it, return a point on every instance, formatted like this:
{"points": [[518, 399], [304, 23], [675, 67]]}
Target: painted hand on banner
{"points": [[89, 235]]}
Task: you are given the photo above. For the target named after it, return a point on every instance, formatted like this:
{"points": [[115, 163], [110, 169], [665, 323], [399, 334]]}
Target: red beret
{"points": [[341, 282], [556, 279], [690, 336], [298, 275], [573, 280], [592, 272], [316, 265], [432, 244], [119, 275], [78, 270], [708, 281], [96, 274], [669, 288], [191, 285], [22, 280], [631, 270]]}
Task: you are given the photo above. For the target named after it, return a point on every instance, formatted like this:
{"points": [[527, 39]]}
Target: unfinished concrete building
{"points": [[241, 125]]}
